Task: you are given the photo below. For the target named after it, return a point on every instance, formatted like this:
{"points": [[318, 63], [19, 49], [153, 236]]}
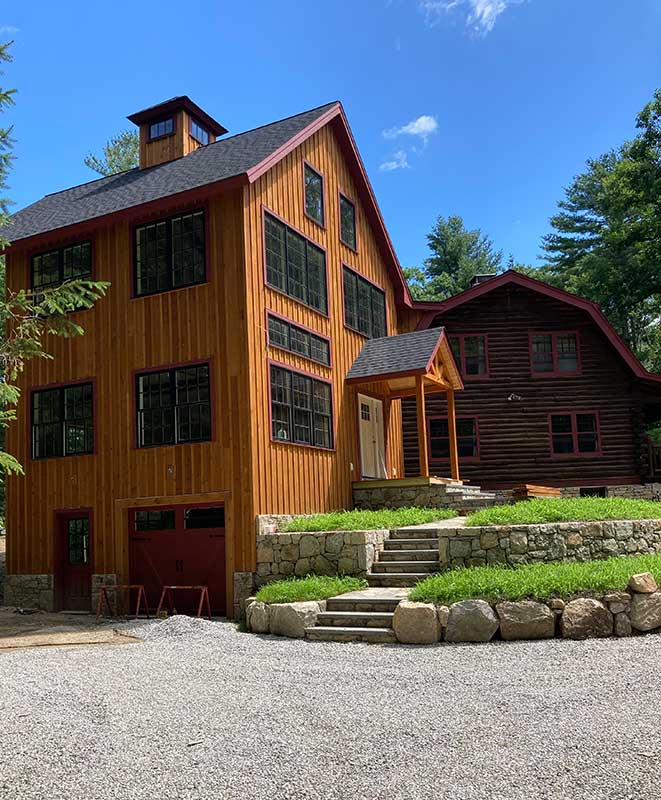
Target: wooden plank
{"points": [[452, 435], [422, 428]]}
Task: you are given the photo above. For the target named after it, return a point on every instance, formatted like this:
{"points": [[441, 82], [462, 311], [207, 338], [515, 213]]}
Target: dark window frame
{"points": [[302, 328], [555, 372], [340, 197], [171, 370], [322, 222], [170, 270], [461, 337], [62, 388], [574, 433], [192, 121], [476, 435], [165, 119], [315, 379], [60, 255], [372, 288]]}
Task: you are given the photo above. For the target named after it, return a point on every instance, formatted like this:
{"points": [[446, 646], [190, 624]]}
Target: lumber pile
{"points": [[525, 491]]}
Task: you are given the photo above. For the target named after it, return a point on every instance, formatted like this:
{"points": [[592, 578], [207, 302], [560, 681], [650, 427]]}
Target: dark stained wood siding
{"points": [[514, 434]]}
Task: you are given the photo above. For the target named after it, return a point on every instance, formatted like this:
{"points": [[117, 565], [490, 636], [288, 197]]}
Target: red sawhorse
{"points": [[103, 595], [167, 593]]}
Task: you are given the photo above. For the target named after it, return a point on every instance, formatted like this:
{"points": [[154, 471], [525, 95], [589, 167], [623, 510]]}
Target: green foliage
{"points": [[569, 509], [120, 153], [536, 581], [312, 587], [368, 520]]}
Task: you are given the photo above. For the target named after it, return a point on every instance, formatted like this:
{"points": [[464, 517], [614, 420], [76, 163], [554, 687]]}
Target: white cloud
{"points": [[481, 15], [8, 29], [423, 127], [399, 161]]}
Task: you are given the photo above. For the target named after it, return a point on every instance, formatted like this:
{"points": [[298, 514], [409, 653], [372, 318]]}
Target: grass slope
{"points": [[368, 520], [313, 587], [567, 509], [538, 581]]}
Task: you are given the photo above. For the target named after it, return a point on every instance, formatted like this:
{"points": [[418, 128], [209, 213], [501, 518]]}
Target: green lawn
{"points": [[313, 587], [538, 581], [368, 520], [567, 509]]}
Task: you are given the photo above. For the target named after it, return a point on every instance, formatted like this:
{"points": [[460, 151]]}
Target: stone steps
{"points": [[405, 566], [391, 545], [356, 619], [362, 604], [395, 579], [408, 555], [333, 633]]}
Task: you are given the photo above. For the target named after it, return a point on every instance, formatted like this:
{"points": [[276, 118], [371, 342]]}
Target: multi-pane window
{"points": [[73, 262], [301, 409], [62, 421], [161, 520], [554, 353], [347, 222], [294, 265], [470, 352], [199, 133], [297, 340], [170, 253], [439, 438], [78, 541], [174, 406], [574, 433], [211, 517], [164, 127], [314, 194], [364, 305]]}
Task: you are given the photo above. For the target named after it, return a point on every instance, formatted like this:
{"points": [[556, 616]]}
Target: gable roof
{"points": [[239, 159], [513, 277]]}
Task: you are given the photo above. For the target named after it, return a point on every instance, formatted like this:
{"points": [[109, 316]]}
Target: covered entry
{"points": [[409, 365], [179, 545]]}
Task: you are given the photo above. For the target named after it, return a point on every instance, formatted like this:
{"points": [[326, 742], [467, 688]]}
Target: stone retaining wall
{"points": [[29, 591], [633, 491], [281, 555], [556, 541], [437, 495]]}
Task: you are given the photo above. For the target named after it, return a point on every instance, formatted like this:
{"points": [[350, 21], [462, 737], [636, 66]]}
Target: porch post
{"points": [[452, 434], [422, 426]]}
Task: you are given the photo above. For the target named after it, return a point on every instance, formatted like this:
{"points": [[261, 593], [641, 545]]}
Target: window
{"points": [[78, 541], [347, 222], [364, 305], [62, 421], [554, 354], [286, 335], [575, 433], [301, 409], [470, 352], [439, 438], [155, 520], [294, 265], [163, 127], [199, 133], [174, 406], [170, 253], [314, 194], [212, 517], [68, 263]]}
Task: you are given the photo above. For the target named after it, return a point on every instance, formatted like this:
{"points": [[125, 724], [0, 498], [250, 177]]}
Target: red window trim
{"points": [[339, 220], [464, 459], [462, 354], [574, 433], [287, 443], [555, 373], [314, 169], [63, 385], [343, 265], [270, 313]]}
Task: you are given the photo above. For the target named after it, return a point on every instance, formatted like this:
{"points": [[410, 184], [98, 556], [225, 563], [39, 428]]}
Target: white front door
{"points": [[372, 441]]}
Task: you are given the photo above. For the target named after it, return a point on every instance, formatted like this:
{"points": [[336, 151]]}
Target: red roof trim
{"points": [[534, 285]]}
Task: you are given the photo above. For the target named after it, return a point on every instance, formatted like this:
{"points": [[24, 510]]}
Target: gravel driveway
{"points": [[221, 714]]}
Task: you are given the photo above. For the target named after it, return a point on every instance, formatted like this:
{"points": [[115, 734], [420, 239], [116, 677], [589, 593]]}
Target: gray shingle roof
{"points": [[406, 353], [226, 158]]}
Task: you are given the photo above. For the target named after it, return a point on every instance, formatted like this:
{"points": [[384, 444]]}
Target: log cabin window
{"points": [[54, 268], [62, 421], [314, 194], [173, 406], [301, 409], [294, 265], [553, 354], [470, 352], [164, 127], [468, 446], [347, 222], [575, 433], [364, 305], [170, 254], [198, 133], [287, 336]]}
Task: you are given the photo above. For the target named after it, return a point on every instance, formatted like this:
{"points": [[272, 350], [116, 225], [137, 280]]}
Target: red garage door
{"points": [[179, 545]]}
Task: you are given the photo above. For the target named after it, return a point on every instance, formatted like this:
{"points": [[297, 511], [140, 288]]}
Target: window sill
{"points": [[299, 355], [321, 225], [546, 375], [572, 456], [288, 443], [314, 310], [159, 138], [39, 459], [168, 291], [171, 444], [348, 246]]}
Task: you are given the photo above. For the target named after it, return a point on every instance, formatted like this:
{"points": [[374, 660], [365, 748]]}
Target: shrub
{"points": [[312, 587], [368, 520], [569, 509]]}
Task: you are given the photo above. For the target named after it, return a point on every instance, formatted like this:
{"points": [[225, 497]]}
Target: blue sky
{"points": [[482, 108]]}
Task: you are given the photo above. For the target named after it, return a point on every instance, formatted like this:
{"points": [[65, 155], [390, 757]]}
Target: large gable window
{"points": [[174, 406], [364, 305], [347, 222], [294, 265], [439, 438], [314, 194], [470, 352], [301, 409], [170, 253], [287, 336], [554, 353], [62, 421], [575, 433], [51, 269]]}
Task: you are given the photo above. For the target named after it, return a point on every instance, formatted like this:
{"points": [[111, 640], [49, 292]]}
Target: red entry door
{"points": [[75, 561]]}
